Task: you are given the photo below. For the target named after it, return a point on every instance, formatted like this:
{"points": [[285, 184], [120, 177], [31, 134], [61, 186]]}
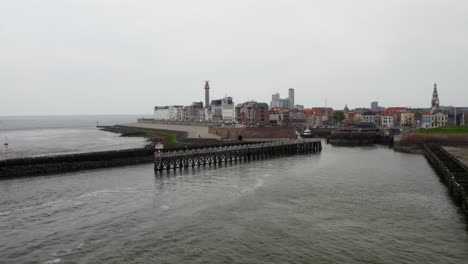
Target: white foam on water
{"points": [[5, 213], [259, 183], [106, 192], [55, 260]]}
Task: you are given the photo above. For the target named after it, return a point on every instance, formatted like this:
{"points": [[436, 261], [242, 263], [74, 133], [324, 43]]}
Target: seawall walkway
{"points": [[192, 131]]}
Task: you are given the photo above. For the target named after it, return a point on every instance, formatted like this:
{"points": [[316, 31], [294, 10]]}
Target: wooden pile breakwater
{"points": [[44, 165], [452, 171], [228, 154]]}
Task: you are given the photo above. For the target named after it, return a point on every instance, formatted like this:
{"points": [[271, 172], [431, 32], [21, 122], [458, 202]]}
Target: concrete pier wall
{"points": [[72, 162], [85, 161], [439, 139], [451, 171], [233, 133]]}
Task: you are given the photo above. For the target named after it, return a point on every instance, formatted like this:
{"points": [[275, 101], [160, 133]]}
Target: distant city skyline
{"points": [[119, 57]]}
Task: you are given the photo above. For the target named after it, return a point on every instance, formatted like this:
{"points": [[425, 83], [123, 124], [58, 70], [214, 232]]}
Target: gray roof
{"points": [[252, 104]]}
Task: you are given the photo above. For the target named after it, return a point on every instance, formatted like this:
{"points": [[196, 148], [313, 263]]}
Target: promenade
{"points": [[192, 131], [461, 153]]}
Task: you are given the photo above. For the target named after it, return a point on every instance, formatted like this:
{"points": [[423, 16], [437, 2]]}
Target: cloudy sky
{"points": [[118, 56]]}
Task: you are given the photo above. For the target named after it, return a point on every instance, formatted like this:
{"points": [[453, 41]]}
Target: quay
{"points": [[227, 154], [453, 172]]}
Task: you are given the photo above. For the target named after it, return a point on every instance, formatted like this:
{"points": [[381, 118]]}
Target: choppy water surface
{"points": [[345, 205], [54, 135], [40, 142]]}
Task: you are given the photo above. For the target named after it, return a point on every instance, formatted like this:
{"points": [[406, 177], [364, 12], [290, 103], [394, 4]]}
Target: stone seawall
{"points": [[451, 171], [191, 130], [235, 133], [177, 123], [439, 139]]}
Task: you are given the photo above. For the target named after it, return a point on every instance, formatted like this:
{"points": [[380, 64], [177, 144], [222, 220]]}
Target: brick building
{"points": [[252, 113]]}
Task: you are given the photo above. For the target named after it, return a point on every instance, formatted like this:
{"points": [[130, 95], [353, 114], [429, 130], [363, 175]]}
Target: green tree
{"points": [[338, 116]]}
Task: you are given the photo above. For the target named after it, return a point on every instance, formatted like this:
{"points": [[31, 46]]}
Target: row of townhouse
{"points": [[315, 116], [401, 117], [391, 117], [218, 111]]}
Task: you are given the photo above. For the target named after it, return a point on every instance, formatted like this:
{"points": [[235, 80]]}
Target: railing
{"points": [[179, 153]]}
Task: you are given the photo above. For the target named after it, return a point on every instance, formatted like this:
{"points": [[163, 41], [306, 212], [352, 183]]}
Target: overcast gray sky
{"points": [[119, 57]]}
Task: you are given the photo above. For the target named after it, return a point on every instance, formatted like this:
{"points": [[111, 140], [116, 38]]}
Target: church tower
{"points": [[346, 109], [435, 98]]}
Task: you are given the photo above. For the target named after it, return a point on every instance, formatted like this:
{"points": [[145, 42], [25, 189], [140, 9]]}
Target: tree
{"points": [[338, 116]]}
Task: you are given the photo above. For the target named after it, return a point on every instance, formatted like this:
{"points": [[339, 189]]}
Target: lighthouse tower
{"points": [[435, 99], [207, 94]]}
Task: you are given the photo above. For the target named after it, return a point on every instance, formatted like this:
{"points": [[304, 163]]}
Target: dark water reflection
{"points": [[346, 205]]}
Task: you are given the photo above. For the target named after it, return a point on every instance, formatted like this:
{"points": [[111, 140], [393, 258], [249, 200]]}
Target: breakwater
{"points": [[212, 156], [43, 165], [451, 171]]}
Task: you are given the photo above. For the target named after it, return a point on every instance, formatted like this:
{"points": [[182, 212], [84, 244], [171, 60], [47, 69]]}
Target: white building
{"points": [[275, 100], [435, 120], [172, 112], [229, 113], [370, 117], [387, 121], [161, 112]]}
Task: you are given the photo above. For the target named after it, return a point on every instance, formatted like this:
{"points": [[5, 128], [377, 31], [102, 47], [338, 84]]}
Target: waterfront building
{"points": [[161, 112], [228, 112], [371, 117], [407, 119], [279, 116], [171, 112], [319, 116], [352, 118], [178, 113], [387, 120], [221, 110], [252, 113], [440, 119], [426, 120], [456, 115], [216, 110], [434, 120], [297, 117], [395, 112], [195, 112]]}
